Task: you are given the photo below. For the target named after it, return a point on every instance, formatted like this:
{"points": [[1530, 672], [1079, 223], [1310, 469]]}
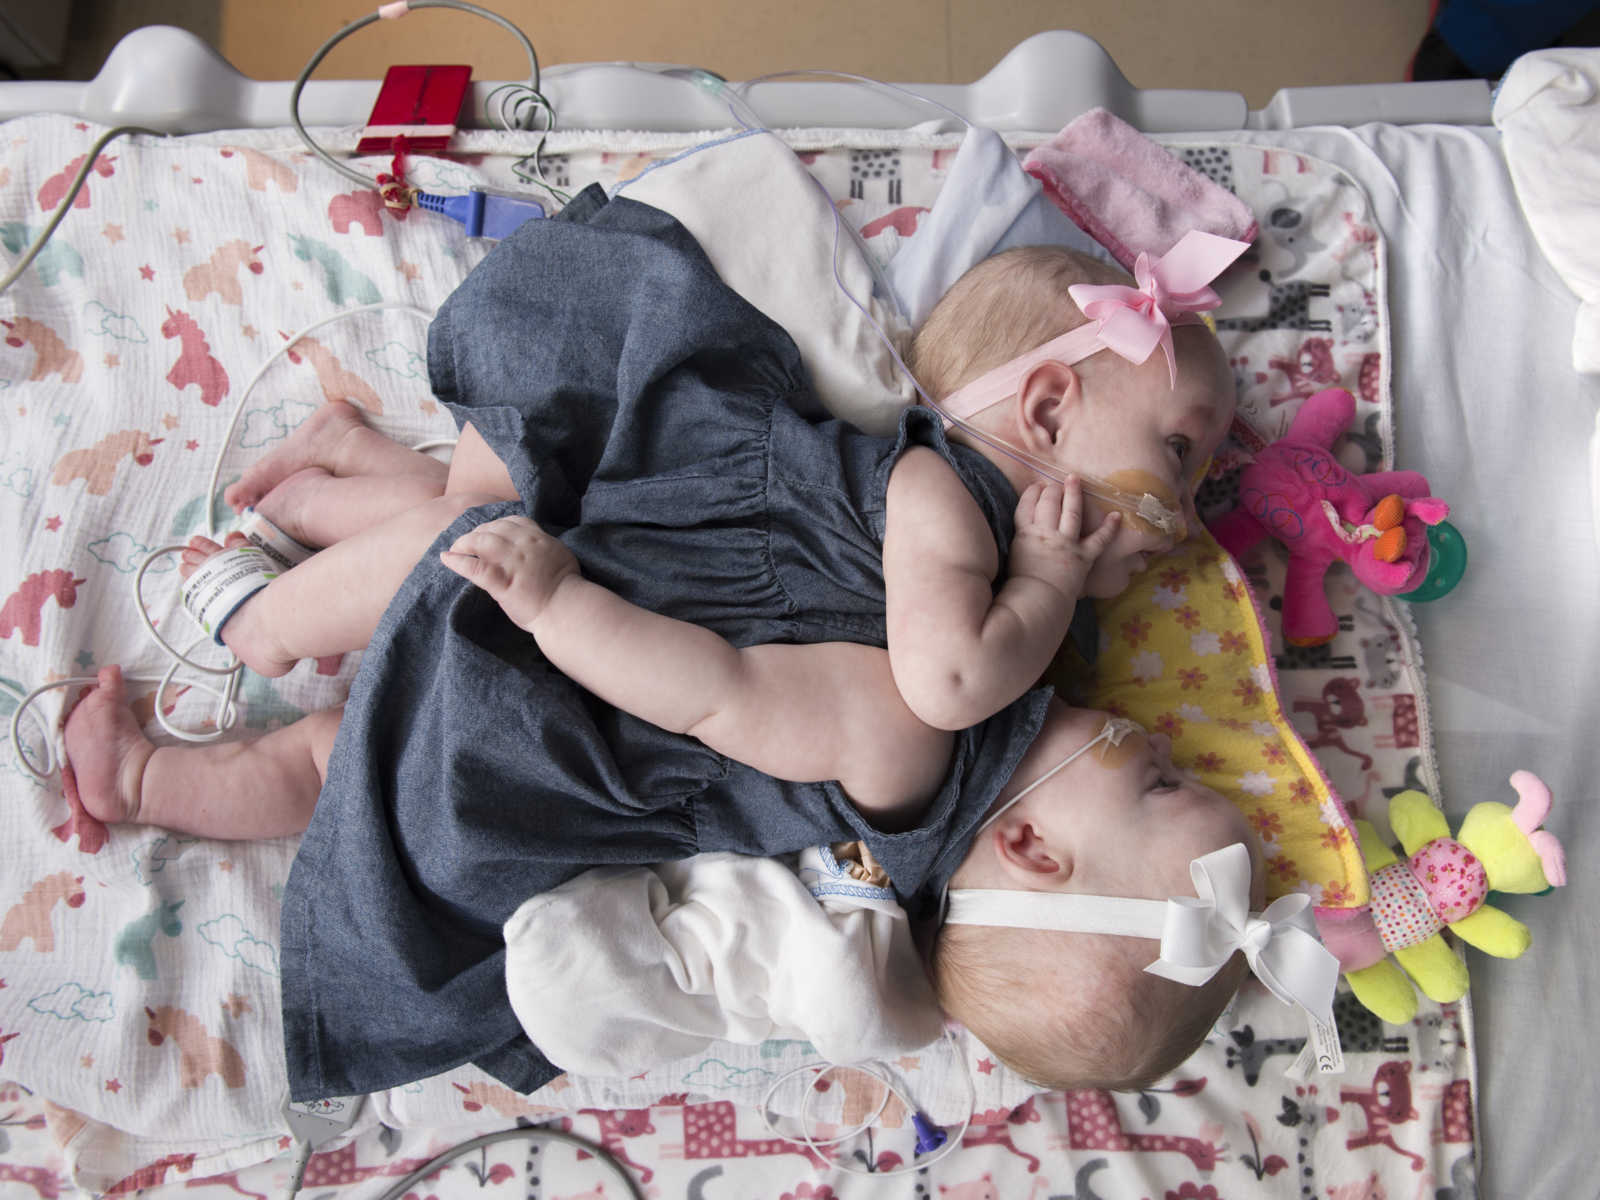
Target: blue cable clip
{"points": [[929, 1135], [484, 214]]}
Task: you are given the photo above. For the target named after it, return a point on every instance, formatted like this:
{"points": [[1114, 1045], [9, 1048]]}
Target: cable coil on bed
{"points": [[226, 713], [519, 107]]}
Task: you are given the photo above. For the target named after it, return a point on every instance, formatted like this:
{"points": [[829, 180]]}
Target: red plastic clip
{"points": [[419, 104]]}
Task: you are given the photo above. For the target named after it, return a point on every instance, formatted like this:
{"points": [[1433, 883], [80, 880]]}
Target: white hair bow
{"points": [[1198, 933]]}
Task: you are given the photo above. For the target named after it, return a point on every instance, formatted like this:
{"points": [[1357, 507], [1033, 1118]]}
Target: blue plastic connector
{"points": [[929, 1136], [484, 214]]}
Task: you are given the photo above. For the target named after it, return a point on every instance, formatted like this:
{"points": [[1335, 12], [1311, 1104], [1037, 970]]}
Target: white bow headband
{"points": [[1198, 934]]}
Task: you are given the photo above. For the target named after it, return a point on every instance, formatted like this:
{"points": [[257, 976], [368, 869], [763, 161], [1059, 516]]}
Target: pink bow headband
{"points": [[1129, 321]]}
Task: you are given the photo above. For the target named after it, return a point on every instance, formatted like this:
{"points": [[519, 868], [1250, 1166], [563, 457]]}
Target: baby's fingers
{"points": [[482, 542], [1040, 504], [478, 555], [1069, 519], [1095, 544], [486, 573]]}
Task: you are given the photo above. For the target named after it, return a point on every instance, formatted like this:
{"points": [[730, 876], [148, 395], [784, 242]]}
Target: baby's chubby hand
{"points": [[516, 562], [1049, 544]]}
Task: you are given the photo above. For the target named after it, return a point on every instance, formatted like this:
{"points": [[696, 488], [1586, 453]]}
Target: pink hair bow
{"points": [[1132, 322]]}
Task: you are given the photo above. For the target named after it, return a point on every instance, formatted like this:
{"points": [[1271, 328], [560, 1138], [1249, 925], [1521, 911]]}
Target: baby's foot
{"points": [[313, 444], [287, 502], [243, 633], [106, 750]]}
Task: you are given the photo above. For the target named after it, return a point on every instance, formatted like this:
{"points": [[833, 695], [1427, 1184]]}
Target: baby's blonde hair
{"points": [[1072, 1010], [1004, 306]]}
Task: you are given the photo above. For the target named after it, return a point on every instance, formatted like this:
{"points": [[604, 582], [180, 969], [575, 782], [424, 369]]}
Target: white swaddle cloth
{"points": [[1548, 112], [623, 969]]}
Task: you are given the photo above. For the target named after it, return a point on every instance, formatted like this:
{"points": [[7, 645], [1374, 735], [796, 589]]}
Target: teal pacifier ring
{"points": [[1447, 555]]}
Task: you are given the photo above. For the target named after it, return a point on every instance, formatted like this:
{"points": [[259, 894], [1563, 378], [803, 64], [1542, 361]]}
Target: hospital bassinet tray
{"points": [[1441, 211]]}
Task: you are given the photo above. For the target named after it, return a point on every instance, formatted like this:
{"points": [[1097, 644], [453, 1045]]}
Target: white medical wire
{"points": [[951, 1143], [238, 409], [391, 11], [26, 700], [227, 710], [537, 1132], [739, 106], [881, 85], [73, 189]]}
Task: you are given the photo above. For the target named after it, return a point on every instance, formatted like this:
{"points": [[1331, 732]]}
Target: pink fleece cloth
{"points": [[1128, 193]]}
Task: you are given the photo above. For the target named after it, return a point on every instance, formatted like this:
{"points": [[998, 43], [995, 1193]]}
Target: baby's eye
{"points": [[1180, 446]]}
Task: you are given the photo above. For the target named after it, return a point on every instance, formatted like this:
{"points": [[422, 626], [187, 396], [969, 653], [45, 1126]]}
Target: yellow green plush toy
{"points": [[1444, 881]]}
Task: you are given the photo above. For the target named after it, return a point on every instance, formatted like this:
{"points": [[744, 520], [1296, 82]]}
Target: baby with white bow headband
{"points": [[1096, 850]]}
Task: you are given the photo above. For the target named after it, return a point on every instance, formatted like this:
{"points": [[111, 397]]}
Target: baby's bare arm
{"points": [[961, 650], [803, 713]]}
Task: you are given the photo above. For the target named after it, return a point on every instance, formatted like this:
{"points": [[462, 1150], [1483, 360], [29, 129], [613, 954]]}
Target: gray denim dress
{"points": [[664, 429]]}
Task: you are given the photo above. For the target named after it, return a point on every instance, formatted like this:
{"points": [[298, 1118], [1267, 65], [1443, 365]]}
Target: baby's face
{"points": [[1143, 436], [1128, 819]]}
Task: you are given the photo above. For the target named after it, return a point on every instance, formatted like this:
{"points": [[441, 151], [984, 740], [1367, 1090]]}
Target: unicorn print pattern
{"points": [[29, 918], [21, 611]]}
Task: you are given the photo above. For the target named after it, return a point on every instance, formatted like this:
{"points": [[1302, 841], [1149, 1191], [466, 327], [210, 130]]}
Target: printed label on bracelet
{"points": [[277, 545], [223, 582], [276, 555]]}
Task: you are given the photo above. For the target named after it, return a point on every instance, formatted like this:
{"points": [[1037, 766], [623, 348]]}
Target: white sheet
{"points": [[455, 1094], [1489, 407]]}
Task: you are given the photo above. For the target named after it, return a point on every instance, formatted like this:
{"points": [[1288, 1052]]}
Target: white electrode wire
{"points": [[881, 85], [227, 711], [391, 11], [536, 1132], [815, 1144], [238, 408], [73, 189], [25, 702]]}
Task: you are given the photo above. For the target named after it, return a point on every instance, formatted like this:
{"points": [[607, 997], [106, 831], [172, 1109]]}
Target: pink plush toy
{"points": [[1297, 492]]}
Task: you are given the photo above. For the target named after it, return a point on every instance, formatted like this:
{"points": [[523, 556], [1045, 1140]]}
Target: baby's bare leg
{"points": [[319, 509], [334, 476], [476, 468], [331, 603], [262, 788]]}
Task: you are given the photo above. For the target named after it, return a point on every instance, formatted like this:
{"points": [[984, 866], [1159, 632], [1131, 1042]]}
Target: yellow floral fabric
{"points": [[1183, 652]]}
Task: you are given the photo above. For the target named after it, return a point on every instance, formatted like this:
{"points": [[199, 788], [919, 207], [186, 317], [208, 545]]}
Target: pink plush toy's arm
{"points": [[1322, 418], [1533, 805], [1236, 531]]}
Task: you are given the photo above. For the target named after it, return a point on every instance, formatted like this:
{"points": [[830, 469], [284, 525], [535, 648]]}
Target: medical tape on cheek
{"points": [[1145, 506]]}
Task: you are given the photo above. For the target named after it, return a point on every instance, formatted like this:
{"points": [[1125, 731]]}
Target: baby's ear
{"points": [[1046, 401], [1027, 857]]}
